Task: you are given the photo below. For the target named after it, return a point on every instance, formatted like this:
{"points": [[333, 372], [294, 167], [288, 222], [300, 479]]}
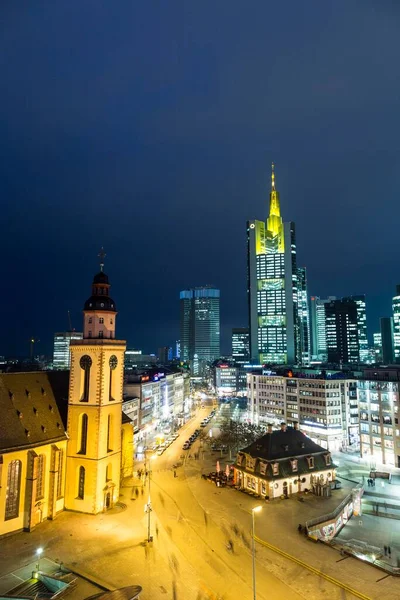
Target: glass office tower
{"points": [[61, 352], [341, 328], [303, 317], [361, 325], [240, 345], [272, 287], [396, 325], [200, 327]]}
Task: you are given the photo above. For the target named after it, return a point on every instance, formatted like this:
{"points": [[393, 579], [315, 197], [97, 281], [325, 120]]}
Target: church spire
{"points": [[102, 256]]}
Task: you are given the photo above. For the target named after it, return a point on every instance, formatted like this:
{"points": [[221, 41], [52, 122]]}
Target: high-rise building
{"points": [[61, 353], [341, 327], [387, 340], [396, 325], [200, 327], [378, 347], [178, 349], [319, 349], [361, 326], [272, 287], [304, 355], [164, 354], [240, 345]]}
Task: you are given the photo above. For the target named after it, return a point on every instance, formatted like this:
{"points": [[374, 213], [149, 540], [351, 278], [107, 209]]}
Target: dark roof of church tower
{"points": [[100, 299], [283, 443], [30, 406], [101, 277]]}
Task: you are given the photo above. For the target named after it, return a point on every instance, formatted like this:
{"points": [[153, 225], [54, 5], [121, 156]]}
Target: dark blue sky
{"points": [[149, 128]]}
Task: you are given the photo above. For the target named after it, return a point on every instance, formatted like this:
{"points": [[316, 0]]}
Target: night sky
{"points": [[149, 128]]}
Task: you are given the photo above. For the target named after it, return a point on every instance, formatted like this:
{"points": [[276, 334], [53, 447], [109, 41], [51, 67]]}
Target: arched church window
{"points": [[83, 434], [113, 363], [81, 483], [13, 489], [40, 476], [85, 364]]}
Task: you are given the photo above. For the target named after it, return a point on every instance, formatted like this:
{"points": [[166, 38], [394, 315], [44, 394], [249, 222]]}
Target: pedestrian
{"points": [[385, 550], [300, 528], [389, 552], [174, 473]]}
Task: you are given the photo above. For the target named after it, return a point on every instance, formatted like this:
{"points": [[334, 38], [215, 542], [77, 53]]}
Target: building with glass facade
{"points": [[341, 328], [361, 326], [396, 325], [272, 287], [61, 352], [303, 318], [386, 324], [378, 400], [200, 327], [318, 329], [240, 345], [378, 347]]}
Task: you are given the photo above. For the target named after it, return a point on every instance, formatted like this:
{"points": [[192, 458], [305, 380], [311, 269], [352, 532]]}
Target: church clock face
{"points": [[113, 362], [85, 362]]}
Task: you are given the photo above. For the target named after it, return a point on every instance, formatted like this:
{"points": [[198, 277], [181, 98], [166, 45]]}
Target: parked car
{"points": [[186, 446]]}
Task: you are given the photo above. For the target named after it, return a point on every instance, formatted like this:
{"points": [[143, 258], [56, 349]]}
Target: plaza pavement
{"points": [[188, 559]]}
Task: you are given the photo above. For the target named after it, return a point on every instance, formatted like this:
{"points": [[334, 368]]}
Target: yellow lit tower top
{"points": [[275, 238]]}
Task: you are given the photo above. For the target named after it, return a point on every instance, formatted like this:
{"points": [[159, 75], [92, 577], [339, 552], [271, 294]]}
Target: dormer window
{"points": [[310, 461], [275, 468], [294, 465], [328, 460]]}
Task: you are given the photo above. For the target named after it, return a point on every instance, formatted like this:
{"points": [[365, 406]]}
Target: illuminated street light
{"points": [[148, 507], [254, 510], [39, 553]]}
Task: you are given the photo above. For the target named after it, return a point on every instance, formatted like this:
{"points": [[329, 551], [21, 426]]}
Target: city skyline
{"points": [[116, 136]]}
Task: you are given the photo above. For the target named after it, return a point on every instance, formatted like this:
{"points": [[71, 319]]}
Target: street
{"points": [[191, 523]]}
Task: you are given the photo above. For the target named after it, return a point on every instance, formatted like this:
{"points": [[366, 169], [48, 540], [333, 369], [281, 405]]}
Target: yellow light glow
{"points": [[257, 509]]}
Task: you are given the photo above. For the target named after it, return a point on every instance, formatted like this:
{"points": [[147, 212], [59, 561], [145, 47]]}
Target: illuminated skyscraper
{"points": [[378, 347], [240, 345], [200, 327], [341, 327], [319, 350], [61, 353], [396, 325], [361, 326], [303, 317], [272, 287]]}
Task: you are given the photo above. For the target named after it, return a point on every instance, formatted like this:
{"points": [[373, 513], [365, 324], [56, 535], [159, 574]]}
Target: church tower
{"points": [[95, 405]]}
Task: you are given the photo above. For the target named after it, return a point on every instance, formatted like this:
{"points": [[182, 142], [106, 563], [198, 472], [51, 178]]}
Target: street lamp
{"points": [[254, 510], [39, 553], [148, 508]]}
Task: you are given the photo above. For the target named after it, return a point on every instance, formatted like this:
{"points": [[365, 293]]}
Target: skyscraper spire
{"points": [[274, 221]]}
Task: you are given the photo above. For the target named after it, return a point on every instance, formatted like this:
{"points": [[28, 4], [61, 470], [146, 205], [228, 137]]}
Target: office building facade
{"points": [[341, 328], [62, 352], [377, 347], [396, 325], [379, 406], [240, 345], [386, 324], [323, 403], [200, 327], [360, 303], [303, 318], [272, 287]]}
